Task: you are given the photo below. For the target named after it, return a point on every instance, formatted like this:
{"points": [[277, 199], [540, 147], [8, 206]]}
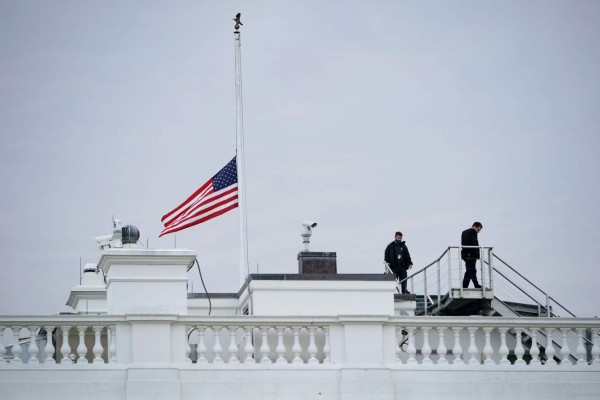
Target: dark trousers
{"points": [[401, 274], [470, 273]]}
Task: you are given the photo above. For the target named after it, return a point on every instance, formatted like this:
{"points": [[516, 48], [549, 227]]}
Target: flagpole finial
{"points": [[237, 22]]}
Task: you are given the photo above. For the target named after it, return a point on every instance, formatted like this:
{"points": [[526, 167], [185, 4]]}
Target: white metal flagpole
{"points": [[240, 159]]}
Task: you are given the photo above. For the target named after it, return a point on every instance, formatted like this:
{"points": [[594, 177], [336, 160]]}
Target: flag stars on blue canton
{"points": [[226, 176]]}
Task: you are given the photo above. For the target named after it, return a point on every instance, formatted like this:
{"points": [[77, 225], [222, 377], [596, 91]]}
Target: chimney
{"points": [[317, 262]]}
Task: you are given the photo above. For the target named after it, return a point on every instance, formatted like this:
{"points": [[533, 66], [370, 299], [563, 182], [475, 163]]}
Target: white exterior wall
{"points": [[334, 382], [290, 297]]}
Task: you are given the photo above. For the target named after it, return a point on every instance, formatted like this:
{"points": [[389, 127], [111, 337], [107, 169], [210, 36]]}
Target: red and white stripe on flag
{"points": [[217, 196]]}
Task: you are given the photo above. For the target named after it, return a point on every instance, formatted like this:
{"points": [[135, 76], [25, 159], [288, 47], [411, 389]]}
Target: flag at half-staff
{"points": [[217, 196]]}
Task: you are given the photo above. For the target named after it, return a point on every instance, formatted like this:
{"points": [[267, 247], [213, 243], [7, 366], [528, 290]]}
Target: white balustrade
{"points": [[531, 343], [252, 341]]}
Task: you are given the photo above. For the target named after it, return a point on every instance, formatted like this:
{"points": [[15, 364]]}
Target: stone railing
{"points": [[258, 340], [64, 340], [207, 342], [493, 341]]}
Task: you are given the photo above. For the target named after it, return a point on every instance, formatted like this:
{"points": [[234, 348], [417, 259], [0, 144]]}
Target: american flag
{"points": [[217, 196]]}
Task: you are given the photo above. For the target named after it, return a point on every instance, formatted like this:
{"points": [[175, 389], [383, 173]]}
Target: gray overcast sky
{"points": [[367, 117]]}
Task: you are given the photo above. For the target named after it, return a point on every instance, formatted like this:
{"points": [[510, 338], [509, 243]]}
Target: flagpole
{"points": [[239, 129]]}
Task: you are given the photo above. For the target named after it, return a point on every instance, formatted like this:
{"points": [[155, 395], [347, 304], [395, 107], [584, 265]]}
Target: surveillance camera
{"points": [[104, 241], [309, 224]]}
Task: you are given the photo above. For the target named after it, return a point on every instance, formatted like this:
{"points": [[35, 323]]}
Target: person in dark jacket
{"points": [[398, 259], [470, 256]]}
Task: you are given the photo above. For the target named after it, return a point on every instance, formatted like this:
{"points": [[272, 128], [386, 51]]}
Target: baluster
{"points": [[457, 349], [296, 348], [488, 351], [534, 350], [550, 351], [326, 347], [2, 348], [249, 347], [472, 350], [264, 346], [519, 349], [411, 350], [441, 349], [426, 349], [49, 349], [280, 349], [398, 342], [97, 345], [233, 348], [81, 349], [564, 351], [112, 347], [595, 349], [65, 349], [33, 347], [188, 348], [201, 348], [312, 346], [16, 348], [581, 354], [217, 348], [503, 350]]}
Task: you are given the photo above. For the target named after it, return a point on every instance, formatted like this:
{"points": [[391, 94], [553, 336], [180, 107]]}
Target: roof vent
{"points": [[131, 234]]}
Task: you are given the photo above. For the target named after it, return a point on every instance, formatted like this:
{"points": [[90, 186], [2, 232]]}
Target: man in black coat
{"points": [[398, 259], [470, 256]]}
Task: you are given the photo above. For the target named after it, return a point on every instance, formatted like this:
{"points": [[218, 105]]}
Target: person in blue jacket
{"points": [[398, 259]]}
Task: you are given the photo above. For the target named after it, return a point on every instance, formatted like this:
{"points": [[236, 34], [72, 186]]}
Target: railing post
{"points": [[460, 273], [425, 292], [481, 267], [548, 313], [439, 285], [450, 272], [2, 348], [491, 268]]}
